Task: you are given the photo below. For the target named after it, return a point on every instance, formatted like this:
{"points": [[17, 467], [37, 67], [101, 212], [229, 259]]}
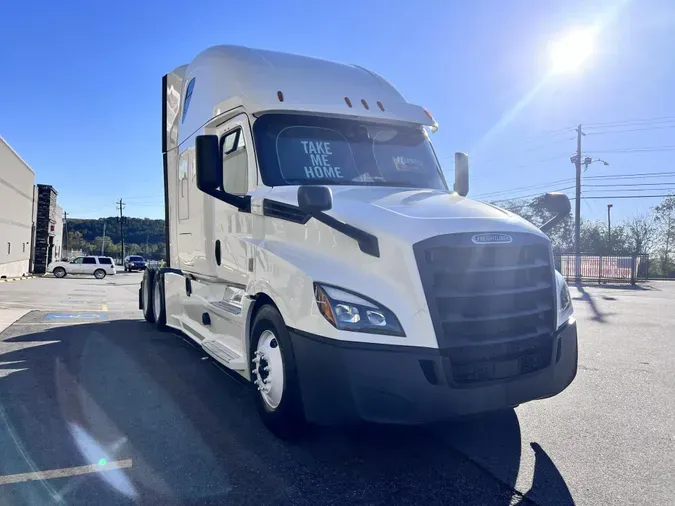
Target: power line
{"points": [[529, 187], [538, 194], [645, 149], [631, 130], [633, 175], [640, 175], [661, 119], [627, 184], [630, 189], [629, 196]]}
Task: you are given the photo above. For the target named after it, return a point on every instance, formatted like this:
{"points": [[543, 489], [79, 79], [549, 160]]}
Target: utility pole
{"points": [[577, 208], [609, 227], [103, 241], [121, 205]]}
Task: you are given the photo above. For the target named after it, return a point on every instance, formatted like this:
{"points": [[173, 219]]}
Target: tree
{"points": [[642, 233], [664, 216]]}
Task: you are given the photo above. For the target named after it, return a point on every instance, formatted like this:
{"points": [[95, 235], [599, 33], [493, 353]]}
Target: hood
{"points": [[416, 214]]}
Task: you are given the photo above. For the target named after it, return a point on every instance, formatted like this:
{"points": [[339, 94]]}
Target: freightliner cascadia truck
{"points": [[315, 248]]}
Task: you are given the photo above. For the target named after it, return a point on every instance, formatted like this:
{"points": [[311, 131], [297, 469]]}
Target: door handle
{"points": [[218, 251]]}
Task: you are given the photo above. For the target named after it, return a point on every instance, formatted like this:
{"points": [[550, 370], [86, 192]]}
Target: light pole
{"points": [[609, 227]]}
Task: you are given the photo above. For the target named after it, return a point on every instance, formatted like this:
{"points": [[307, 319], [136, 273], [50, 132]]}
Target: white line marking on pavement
{"points": [[64, 472]]}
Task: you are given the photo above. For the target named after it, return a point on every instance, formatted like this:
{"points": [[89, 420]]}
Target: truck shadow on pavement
{"points": [[72, 395]]}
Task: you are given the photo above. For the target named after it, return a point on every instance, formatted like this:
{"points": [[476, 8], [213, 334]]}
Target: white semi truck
{"points": [[315, 248]]}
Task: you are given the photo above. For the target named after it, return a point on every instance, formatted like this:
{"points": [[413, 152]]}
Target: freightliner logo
{"points": [[492, 239]]}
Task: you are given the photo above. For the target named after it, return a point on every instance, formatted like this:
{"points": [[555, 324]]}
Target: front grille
{"points": [[492, 305]]}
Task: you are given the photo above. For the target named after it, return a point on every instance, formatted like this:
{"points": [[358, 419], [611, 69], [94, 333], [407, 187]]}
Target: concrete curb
{"points": [[7, 280]]}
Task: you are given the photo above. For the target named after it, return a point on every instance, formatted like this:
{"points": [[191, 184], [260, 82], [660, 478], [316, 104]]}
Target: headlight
{"points": [[349, 311], [565, 309]]}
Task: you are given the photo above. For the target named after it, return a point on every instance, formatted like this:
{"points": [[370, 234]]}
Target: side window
{"points": [[188, 97], [89, 260], [235, 162], [104, 260], [78, 260]]}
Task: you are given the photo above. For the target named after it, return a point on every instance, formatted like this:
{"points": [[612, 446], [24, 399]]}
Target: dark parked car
{"points": [[134, 263]]}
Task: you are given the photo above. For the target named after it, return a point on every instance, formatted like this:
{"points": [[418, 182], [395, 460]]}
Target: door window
{"points": [[235, 162], [89, 260], [77, 261]]}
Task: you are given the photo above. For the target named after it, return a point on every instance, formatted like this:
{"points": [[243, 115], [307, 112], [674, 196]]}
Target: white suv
{"points": [[98, 266]]}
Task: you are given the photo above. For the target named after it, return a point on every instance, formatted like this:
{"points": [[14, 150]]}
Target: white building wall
{"points": [[16, 212], [58, 252]]}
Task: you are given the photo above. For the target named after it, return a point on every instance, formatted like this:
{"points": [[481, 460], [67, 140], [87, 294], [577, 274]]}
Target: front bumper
{"points": [[344, 382]]}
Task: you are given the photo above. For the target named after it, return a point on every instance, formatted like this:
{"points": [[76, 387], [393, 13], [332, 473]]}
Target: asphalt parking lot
{"points": [[97, 407]]}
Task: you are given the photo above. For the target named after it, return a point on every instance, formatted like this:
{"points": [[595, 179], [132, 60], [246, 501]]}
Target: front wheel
{"points": [[274, 375], [99, 274], [59, 272], [147, 286], [158, 306]]}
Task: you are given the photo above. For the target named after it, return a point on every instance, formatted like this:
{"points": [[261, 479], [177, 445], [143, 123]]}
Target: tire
{"points": [[99, 274], [285, 417], [147, 286], [59, 272], [158, 306]]}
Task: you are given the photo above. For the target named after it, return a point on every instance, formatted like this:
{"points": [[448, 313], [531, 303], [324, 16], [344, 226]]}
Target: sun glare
{"points": [[571, 51]]}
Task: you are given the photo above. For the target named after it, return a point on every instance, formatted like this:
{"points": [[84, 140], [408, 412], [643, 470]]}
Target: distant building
{"points": [[16, 212], [31, 224], [45, 228]]}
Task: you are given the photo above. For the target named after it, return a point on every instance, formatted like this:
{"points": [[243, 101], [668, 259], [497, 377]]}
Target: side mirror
{"points": [[209, 163], [557, 203], [462, 174], [315, 199]]}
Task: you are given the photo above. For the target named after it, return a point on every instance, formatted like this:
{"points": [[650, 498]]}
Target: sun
{"points": [[571, 51]]}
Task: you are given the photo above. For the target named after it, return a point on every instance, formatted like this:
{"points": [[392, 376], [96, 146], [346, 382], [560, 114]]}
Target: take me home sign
{"points": [[320, 166]]}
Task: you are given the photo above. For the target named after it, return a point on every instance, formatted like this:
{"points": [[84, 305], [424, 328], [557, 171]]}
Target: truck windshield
{"points": [[298, 149]]}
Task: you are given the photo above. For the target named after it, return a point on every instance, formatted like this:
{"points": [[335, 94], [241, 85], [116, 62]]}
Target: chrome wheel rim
{"points": [[268, 369], [59, 273], [99, 274]]}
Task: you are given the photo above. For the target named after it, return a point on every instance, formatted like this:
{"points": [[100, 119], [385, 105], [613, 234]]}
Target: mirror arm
{"points": [[243, 203], [546, 227], [368, 243]]}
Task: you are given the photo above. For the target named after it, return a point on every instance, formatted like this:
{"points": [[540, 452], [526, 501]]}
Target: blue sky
{"points": [[80, 85]]}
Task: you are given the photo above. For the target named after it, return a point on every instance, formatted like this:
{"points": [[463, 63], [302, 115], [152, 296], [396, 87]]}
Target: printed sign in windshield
{"points": [[314, 153], [295, 149]]}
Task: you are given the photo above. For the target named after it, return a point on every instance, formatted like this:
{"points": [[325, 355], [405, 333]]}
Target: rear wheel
{"points": [[158, 306], [99, 274], [59, 272], [274, 374], [147, 286]]}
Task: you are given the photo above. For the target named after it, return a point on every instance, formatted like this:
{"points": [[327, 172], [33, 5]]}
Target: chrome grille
{"points": [[492, 305]]}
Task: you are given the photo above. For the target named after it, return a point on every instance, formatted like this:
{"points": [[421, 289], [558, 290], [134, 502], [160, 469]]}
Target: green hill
{"points": [[142, 236]]}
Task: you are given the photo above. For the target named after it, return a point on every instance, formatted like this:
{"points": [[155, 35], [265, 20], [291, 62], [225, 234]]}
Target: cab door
{"points": [[233, 229], [229, 239]]}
